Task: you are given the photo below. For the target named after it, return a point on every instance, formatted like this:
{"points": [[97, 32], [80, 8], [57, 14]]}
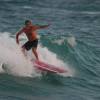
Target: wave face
{"points": [[72, 41]]}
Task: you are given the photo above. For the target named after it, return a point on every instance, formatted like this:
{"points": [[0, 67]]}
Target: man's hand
{"points": [[47, 25], [44, 26]]}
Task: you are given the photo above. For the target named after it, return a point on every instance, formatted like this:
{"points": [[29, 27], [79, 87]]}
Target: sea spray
{"points": [[51, 58], [71, 41], [12, 57], [17, 64]]}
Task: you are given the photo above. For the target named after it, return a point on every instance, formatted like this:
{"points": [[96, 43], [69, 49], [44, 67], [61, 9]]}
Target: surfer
{"points": [[30, 30]]}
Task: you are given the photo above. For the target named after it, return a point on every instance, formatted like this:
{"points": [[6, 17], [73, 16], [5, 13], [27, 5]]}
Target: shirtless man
{"points": [[30, 31]]}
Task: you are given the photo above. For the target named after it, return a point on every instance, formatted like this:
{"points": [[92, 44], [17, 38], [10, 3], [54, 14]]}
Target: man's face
{"points": [[29, 23]]}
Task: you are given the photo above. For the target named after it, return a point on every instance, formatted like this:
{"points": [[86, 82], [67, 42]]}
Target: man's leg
{"points": [[35, 53], [23, 51]]}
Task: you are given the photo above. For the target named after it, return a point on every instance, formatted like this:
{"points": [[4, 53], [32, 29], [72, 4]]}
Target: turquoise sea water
{"points": [[71, 40]]}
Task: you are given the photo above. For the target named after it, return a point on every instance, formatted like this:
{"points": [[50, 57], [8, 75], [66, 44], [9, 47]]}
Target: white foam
{"points": [[60, 41], [51, 58], [17, 64], [11, 55], [71, 41]]}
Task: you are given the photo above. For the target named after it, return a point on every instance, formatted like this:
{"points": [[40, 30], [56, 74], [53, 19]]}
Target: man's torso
{"points": [[30, 33]]}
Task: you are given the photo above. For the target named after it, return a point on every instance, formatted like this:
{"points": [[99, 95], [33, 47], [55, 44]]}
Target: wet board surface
{"points": [[48, 67]]}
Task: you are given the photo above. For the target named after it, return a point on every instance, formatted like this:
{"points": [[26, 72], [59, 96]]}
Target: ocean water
{"points": [[71, 41]]}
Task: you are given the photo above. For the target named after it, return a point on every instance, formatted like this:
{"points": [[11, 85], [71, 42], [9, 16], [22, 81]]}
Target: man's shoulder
{"points": [[23, 28]]}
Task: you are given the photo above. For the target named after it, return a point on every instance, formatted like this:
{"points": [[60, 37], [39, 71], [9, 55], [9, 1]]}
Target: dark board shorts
{"points": [[30, 44]]}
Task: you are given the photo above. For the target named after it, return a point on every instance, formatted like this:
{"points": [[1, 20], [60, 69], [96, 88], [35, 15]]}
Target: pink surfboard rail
{"points": [[48, 67]]}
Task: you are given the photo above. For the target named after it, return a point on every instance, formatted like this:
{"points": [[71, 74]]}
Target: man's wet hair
{"points": [[27, 21]]}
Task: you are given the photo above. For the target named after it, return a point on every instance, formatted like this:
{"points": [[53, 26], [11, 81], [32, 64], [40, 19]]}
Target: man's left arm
{"points": [[42, 26]]}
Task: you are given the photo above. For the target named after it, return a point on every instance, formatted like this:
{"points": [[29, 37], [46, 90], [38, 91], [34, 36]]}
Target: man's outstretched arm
{"points": [[42, 26], [17, 35]]}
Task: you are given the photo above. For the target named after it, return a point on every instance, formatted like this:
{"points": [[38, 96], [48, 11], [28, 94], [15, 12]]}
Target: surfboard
{"points": [[48, 67]]}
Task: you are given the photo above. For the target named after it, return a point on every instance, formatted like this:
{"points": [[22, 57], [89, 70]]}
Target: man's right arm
{"points": [[17, 35]]}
